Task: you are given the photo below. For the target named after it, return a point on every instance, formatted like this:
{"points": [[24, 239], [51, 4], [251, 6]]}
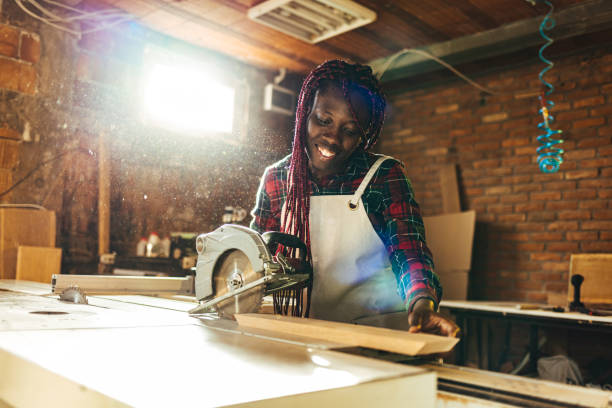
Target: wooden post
{"points": [[103, 195]]}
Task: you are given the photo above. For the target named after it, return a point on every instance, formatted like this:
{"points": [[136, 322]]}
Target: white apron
{"points": [[353, 280]]}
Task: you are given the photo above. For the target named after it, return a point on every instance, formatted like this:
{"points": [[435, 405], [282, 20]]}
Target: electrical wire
{"points": [[40, 165], [426, 54], [101, 20]]}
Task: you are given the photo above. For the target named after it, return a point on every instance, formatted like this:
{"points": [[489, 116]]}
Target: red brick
{"points": [[607, 235], [580, 174], [529, 206], [562, 246], [560, 185], [487, 181], [485, 200], [593, 100], [516, 161], [605, 193], [547, 236], [17, 76], [529, 246], [9, 41], [590, 122], [580, 194], [574, 215], [561, 205], [527, 188], [546, 195], [559, 287], [602, 214], [581, 235], [498, 190], [524, 178], [602, 110], [440, 110], [514, 236], [579, 154], [514, 198], [597, 225], [544, 177], [544, 256], [596, 183], [7, 133], [600, 162], [511, 217], [30, 48], [474, 191], [487, 146], [593, 142], [500, 208], [593, 204], [563, 226], [555, 266], [605, 150], [596, 246], [486, 164], [570, 116], [541, 216], [529, 284]]}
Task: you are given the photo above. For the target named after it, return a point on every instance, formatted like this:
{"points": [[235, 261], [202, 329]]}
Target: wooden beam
{"points": [[103, 195], [586, 17], [124, 285], [396, 341]]}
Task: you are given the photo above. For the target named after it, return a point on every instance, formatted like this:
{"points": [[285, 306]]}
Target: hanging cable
{"points": [[549, 153]]}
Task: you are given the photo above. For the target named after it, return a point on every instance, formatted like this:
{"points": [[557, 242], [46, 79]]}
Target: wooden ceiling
{"points": [[223, 26]]}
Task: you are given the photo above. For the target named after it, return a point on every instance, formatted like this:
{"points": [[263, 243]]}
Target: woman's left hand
{"points": [[424, 319]]}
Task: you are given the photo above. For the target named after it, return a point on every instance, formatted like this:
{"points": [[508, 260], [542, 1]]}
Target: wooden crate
{"points": [[25, 227]]}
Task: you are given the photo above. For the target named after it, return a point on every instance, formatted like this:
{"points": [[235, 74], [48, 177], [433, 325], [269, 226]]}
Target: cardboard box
{"points": [[450, 238], [25, 227]]}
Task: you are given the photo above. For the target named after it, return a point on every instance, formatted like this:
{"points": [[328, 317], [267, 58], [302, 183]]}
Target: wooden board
{"points": [[597, 272], [395, 341], [20, 226], [38, 264], [124, 285]]}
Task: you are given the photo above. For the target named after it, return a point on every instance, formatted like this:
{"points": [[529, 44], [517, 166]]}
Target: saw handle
{"points": [[273, 238]]}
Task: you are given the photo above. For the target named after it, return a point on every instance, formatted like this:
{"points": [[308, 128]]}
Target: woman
{"points": [[354, 210]]}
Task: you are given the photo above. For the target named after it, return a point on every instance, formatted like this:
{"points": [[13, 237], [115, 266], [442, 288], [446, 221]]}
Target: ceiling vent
{"points": [[312, 20]]}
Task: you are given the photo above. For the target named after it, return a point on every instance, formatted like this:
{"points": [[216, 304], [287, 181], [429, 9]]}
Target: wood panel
{"points": [[38, 264]]}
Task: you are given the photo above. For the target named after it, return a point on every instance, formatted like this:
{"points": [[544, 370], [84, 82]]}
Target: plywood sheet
{"points": [[395, 341], [38, 264], [450, 238], [597, 272]]}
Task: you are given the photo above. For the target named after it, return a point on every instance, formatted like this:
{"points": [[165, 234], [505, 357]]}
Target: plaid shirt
{"points": [[389, 202]]}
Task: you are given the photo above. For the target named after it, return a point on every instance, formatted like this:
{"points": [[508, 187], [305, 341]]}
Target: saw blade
{"points": [[234, 271]]}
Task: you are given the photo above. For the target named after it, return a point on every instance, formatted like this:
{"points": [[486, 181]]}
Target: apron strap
{"points": [[354, 202]]}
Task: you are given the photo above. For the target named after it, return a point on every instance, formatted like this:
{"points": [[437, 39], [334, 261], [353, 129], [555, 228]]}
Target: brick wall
{"points": [[528, 222], [19, 54]]}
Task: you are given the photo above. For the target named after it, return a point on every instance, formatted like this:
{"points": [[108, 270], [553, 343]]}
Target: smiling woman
{"points": [[354, 210]]}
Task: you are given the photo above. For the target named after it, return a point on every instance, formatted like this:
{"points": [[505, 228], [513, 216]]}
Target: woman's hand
{"points": [[424, 319]]}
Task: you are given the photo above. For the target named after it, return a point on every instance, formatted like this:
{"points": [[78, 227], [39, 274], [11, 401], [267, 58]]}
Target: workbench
{"points": [[535, 318], [145, 351]]}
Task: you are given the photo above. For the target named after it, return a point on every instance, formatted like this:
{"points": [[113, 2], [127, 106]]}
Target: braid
{"points": [[348, 77]]}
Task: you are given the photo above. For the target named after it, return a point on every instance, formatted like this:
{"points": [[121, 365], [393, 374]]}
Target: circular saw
{"points": [[237, 267]]}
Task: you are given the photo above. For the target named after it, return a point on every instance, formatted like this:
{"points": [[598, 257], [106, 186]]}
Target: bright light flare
{"points": [[186, 99]]}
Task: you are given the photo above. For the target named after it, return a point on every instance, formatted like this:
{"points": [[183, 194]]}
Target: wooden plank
{"points": [[597, 272], [449, 189], [103, 195], [395, 341], [38, 264], [124, 285], [586, 17]]}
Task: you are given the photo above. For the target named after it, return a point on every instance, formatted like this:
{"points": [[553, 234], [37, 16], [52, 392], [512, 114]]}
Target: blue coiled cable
{"points": [[550, 155]]}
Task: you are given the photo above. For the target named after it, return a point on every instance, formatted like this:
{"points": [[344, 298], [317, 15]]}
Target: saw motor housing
{"points": [[273, 272]]}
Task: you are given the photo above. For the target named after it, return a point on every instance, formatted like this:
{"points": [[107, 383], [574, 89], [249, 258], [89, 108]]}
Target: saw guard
{"points": [[213, 245]]}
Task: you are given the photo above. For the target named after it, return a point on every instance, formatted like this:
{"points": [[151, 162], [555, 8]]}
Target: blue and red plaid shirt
{"points": [[389, 202]]}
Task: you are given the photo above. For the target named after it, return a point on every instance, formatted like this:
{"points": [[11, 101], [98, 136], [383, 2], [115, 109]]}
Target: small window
{"points": [[185, 96]]}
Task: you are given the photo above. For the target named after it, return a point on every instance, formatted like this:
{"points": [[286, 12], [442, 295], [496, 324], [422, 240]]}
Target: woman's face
{"points": [[333, 133]]}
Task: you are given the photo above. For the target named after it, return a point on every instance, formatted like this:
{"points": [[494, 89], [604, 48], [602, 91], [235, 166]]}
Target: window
{"points": [[184, 95]]}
